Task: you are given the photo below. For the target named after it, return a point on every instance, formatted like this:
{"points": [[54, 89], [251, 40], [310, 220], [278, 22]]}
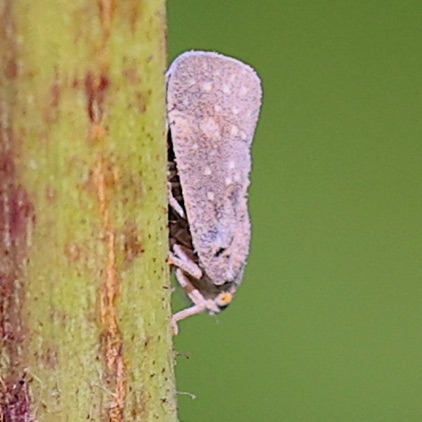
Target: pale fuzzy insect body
{"points": [[213, 104]]}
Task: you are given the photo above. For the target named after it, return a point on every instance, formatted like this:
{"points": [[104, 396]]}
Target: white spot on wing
{"points": [[210, 196], [207, 171], [226, 89], [243, 90], [207, 86], [210, 128]]}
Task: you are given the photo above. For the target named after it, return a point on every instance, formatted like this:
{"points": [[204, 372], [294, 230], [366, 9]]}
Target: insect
{"points": [[213, 104]]}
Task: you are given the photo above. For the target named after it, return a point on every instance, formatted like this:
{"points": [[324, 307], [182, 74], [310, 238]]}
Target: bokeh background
{"points": [[327, 325]]}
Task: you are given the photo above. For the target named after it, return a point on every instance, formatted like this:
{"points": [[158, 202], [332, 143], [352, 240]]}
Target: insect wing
{"points": [[213, 106]]}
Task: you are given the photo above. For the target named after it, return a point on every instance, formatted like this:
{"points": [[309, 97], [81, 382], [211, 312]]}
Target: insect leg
{"points": [[174, 204], [180, 260], [200, 303]]}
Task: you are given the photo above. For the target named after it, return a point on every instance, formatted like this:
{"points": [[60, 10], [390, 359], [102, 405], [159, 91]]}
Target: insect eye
{"points": [[223, 300]]}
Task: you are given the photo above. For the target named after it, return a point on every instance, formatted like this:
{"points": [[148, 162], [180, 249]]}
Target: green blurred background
{"points": [[327, 325]]}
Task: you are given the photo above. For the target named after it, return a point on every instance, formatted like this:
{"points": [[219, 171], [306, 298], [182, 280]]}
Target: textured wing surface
{"points": [[213, 106]]}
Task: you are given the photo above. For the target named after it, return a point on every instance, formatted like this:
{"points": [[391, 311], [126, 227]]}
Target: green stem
{"points": [[85, 295]]}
